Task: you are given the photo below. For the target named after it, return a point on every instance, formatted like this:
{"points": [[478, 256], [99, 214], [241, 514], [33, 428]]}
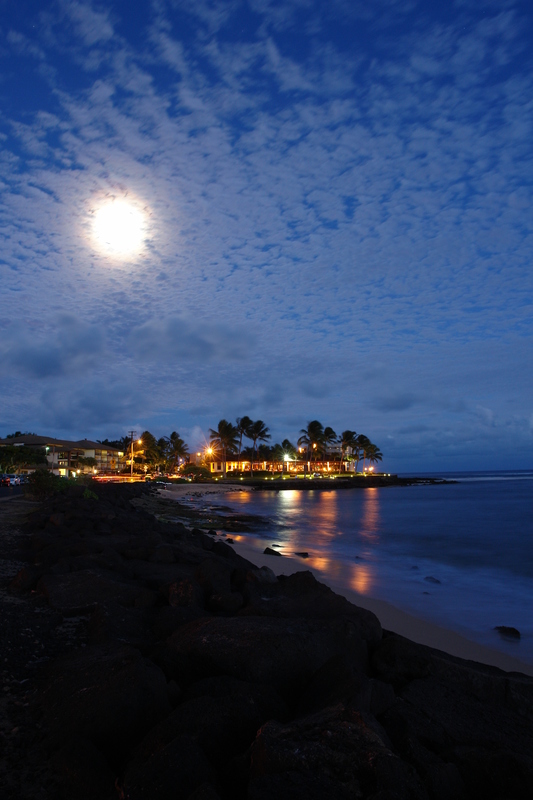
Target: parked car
{"points": [[5, 480], [14, 480]]}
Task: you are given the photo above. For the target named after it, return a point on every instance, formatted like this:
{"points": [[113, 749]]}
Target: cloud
{"points": [[91, 25], [182, 339], [247, 138], [94, 404], [395, 402], [72, 348]]}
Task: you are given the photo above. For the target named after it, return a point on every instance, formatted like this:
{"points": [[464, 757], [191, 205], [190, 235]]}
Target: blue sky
{"points": [[337, 221]]}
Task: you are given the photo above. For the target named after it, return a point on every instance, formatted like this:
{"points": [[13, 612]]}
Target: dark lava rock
{"points": [[109, 695], [82, 772], [281, 652], [336, 753], [301, 595], [221, 714], [172, 773], [79, 592], [268, 551], [187, 650]]}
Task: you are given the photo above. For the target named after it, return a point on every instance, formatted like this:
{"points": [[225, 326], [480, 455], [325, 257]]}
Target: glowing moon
{"points": [[119, 228]]}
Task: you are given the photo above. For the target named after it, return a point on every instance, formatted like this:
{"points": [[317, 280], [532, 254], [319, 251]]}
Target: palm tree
{"points": [[224, 439], [330, 437], [362, 445], [149, 449], [243, 426], [257, 432], [374, 454], [312, 436], [347, 439], [176, 449]]}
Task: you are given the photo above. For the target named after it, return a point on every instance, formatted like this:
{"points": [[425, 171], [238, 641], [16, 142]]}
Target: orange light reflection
{"points": [[362, 579], [370, 519]]}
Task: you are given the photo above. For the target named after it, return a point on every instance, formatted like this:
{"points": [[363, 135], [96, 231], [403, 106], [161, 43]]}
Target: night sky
{"points": [[332, 219]]}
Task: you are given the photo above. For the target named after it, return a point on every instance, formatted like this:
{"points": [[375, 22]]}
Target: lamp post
{"points": [[132, 434]]}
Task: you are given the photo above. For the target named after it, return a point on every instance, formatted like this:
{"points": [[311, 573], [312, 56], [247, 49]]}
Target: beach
{"points": [[147, 655], [392, 618]]}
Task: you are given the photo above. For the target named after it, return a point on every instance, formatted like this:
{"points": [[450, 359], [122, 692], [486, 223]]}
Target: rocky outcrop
{"points": [[199, 676]]}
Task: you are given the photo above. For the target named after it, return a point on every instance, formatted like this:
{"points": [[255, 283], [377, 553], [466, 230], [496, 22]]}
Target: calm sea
{"points": [[460, 555]]}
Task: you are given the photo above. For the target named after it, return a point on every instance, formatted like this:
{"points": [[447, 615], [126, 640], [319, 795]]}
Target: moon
{"points": [[119, 228]]}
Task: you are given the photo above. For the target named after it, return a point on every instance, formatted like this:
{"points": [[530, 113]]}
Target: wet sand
{"points": [[391, 618]]}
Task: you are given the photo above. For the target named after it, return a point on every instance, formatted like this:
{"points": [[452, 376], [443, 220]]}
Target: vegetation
{"points": [[316, 442], [224, 439], [257, 432], [43, 483], [14, 458]]}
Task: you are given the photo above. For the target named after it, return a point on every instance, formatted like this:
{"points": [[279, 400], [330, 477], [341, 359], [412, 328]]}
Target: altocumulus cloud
{"points": [[182, 339], [93, 403], [72, 347]]}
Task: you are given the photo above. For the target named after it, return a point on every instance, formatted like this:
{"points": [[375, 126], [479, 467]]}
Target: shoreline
{"points": [[391, 617], [160, 657]]}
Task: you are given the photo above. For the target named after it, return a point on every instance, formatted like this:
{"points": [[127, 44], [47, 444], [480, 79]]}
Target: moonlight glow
{"points": [[119, 228]]}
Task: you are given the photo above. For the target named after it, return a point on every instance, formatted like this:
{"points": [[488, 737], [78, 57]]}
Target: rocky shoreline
{"points": [[144, 658]]}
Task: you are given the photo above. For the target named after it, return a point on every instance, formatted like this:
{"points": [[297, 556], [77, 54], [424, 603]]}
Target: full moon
{"points": [[119, 228]]}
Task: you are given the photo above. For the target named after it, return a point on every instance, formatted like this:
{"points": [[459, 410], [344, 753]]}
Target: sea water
{"points": [[457, 554]]}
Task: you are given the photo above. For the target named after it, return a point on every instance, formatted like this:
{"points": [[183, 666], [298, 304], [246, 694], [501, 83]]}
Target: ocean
{"points": [[459, 555]]}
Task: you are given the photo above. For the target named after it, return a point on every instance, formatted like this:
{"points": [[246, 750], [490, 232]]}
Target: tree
{"points": [[224, 439], [347, 439], [123, 444], [362, 443], [284, 451], [373, 453], [150, 451], [330, 437], [18, 457], [243, 426], [88, 461], [176, 449], [257, 432], [312, 437]]}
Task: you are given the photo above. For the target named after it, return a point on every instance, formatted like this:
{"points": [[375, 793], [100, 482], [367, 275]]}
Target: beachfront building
{"points": [[65, 457], [295, 467]]}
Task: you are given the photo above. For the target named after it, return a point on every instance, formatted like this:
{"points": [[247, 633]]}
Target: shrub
{"points": [[42, 483]]}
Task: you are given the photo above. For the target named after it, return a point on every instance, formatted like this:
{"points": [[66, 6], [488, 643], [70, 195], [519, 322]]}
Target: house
{"points": [[64, 456]]}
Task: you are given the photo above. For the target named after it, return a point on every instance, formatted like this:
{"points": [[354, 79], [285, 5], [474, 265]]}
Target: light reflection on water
{"points": [[458, 554], [330, 527], [370, 520]]}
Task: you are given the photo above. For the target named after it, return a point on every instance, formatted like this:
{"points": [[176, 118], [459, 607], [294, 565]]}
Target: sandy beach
{"points": [[391, 618], [179, 490]]}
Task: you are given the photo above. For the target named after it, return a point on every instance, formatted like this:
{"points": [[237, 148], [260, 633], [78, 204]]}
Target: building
{"points": [[216, 467], [65, 457]]}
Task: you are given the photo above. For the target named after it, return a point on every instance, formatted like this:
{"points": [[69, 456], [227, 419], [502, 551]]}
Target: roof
{"points": [[31, 440]]}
